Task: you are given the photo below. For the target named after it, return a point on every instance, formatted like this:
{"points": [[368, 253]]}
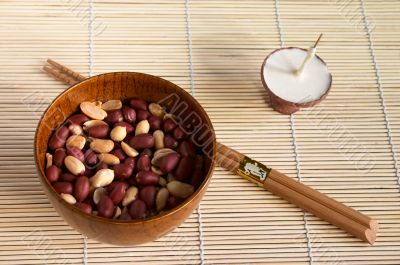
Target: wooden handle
{"points": [[303, 196], [318, 209], [62, 73]]}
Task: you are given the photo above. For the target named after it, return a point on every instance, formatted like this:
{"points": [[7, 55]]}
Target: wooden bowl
{"points": [[123, 85]]}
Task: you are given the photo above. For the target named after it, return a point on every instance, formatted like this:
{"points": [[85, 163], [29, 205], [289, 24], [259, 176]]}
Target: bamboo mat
{"points": [[347, 147]]}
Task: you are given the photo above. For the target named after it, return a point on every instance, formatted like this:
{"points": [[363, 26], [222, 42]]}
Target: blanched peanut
{"points": [[129, 151], [158, 139], [156, 110], [112, 104], [49, 160], [98, 193], [117, 212], [75, 129], [180, 189], [156, 170], [68, 198], [142, 127], [108, 159], [118, 133], [91, 123], [77, 141], [74, 165], [162, 182], [102, 178], [162, 198], [130, 195], [93, 111], [102, 145]]}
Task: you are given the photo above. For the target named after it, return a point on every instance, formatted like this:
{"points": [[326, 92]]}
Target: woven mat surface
{"points": [[347, 147]]}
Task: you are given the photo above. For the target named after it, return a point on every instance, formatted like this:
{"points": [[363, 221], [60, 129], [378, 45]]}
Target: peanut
{"points": [[91, 123], [180, 189], [102, 178], [59, 137], [112, 104], [142, 127], [146, 178], [108, 159], [157, 171], [117, 212], [93, 111], [98, 193], [129, 151], [169, 162], [130, 195], [184, 168], [74, 165], [68, 198], [114, 116], [99, 131], [63, 187], [143, 163], [81, 188], [118, 133], [78, 119], [75, 129], [105, 207], [129, 114], [162, 182], [148, 195], [84, 207], [162, 198], [155, 122], [49, 160], [158, 139], [59, 156], [77, 141], [102, 145], [142, 141], [138, 104], [53, 173], [118, 193], [156, 110], [159, 154], [137, 209]]}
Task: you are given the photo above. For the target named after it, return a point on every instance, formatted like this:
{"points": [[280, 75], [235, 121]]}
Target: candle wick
{"points": [[310, 54], [319, 38]]}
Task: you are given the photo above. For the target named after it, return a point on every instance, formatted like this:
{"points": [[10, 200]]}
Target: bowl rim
{"points": [[164, 214]]}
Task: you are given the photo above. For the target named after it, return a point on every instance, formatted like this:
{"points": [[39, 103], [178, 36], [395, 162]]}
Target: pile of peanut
{"points": [[123, 161]]}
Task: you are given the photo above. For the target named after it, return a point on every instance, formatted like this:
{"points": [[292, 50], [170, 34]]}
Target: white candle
{"points": [[297, 90]]}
